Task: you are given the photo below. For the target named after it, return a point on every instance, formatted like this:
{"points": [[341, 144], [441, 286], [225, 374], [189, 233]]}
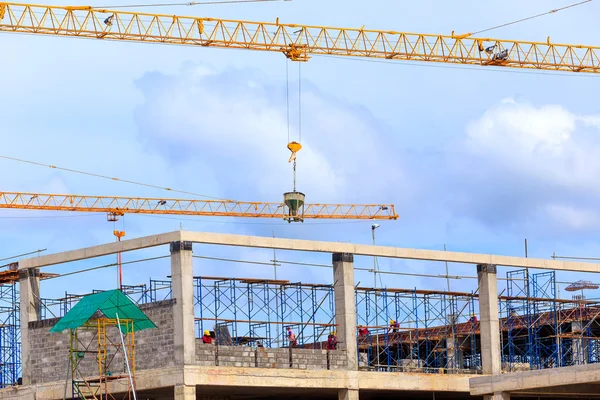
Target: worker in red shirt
{"points": [[207, 339], [331, 341], [362, 331]]}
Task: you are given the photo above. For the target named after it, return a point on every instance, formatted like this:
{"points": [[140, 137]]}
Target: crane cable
{"points": [[110, 178], [293, 146], [529, 18]]}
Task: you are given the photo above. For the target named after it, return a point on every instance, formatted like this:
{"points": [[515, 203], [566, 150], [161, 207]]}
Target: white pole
{"points": [[126, 359]]}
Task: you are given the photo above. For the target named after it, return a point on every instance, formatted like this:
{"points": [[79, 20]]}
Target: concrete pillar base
{"points": [[347, 394], [183, 392], [497, 396]]}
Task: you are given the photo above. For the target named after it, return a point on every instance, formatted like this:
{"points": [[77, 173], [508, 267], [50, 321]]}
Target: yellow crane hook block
{"points": [[294, 147]]}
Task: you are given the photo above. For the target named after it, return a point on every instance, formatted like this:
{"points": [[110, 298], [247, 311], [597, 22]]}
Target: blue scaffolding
{"points": [[417, 330], [259, 310], [10, 335], [531, 328]]}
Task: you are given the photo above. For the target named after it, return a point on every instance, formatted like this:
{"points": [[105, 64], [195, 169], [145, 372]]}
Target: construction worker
{"points": [[207, 339], [291, 337], [394, 326], [362, 331], [473, 318], [331, 341]]}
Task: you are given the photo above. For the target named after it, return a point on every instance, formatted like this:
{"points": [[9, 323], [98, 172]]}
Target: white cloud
{"points": [[573, 217], [522, 165], [236, 122]]}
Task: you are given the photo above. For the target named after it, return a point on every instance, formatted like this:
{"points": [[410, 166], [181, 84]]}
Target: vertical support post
{"points": [[29, 285], [183, 311], [578, 346], [498, 396], [345, 306], [489, 324], [348, 394], [184, 392]]}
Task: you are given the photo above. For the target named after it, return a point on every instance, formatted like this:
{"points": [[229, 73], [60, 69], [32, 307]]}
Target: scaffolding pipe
{"points": [[125, 355]]}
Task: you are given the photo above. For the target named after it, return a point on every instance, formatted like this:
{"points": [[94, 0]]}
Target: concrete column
{"points": [[497, 396], [345, 306], [184, 392], [488, 323], [29, 287], [183, 311], [578, 346], [348, 394]]}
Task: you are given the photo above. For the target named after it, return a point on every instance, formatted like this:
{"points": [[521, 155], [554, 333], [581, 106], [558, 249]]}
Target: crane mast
{"points": [[297, 42]]}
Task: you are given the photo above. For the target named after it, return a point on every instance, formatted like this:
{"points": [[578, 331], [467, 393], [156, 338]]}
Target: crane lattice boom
{"points": [[297, 42], [213, 208]]}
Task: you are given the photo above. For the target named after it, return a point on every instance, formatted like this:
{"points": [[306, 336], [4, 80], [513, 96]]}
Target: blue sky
{"points": [[477, 159]]}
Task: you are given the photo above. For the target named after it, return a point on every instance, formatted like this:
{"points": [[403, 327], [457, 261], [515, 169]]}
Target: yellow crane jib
{"points": [[116, 206], [297, 42]]}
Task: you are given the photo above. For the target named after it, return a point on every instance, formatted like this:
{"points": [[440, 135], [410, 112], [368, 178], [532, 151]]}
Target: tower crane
{"points": [[292, 209], [115, 206], [295, 41]]}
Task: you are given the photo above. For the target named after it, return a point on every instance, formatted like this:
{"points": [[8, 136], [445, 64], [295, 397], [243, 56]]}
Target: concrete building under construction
{"points": [[348, 341]]}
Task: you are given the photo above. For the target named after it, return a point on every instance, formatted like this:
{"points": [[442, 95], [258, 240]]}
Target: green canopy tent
{"points": [[110, 303]]}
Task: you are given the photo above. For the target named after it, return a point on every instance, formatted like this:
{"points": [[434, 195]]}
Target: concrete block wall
{"points": [[338, 359], [154, 347], [283, 358], [205, 354], [273, 358], [309, 359], [235, 356], [50, 352], [49, 358]]}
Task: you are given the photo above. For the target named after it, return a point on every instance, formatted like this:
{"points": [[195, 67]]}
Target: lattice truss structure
{"points": [[297, 42], [97, 358], [259, 310], [539, 330], [435, 331]]}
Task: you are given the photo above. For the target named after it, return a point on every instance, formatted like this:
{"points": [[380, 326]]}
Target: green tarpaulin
{"points": [[110, 303]]}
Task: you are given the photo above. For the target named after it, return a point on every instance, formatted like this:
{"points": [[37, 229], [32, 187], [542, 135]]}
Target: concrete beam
{"points": [[408, 381], [100, 250], [144, 380], [384, 251], [325, 379], [190, 376], [306, 245], [530, 380]]}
